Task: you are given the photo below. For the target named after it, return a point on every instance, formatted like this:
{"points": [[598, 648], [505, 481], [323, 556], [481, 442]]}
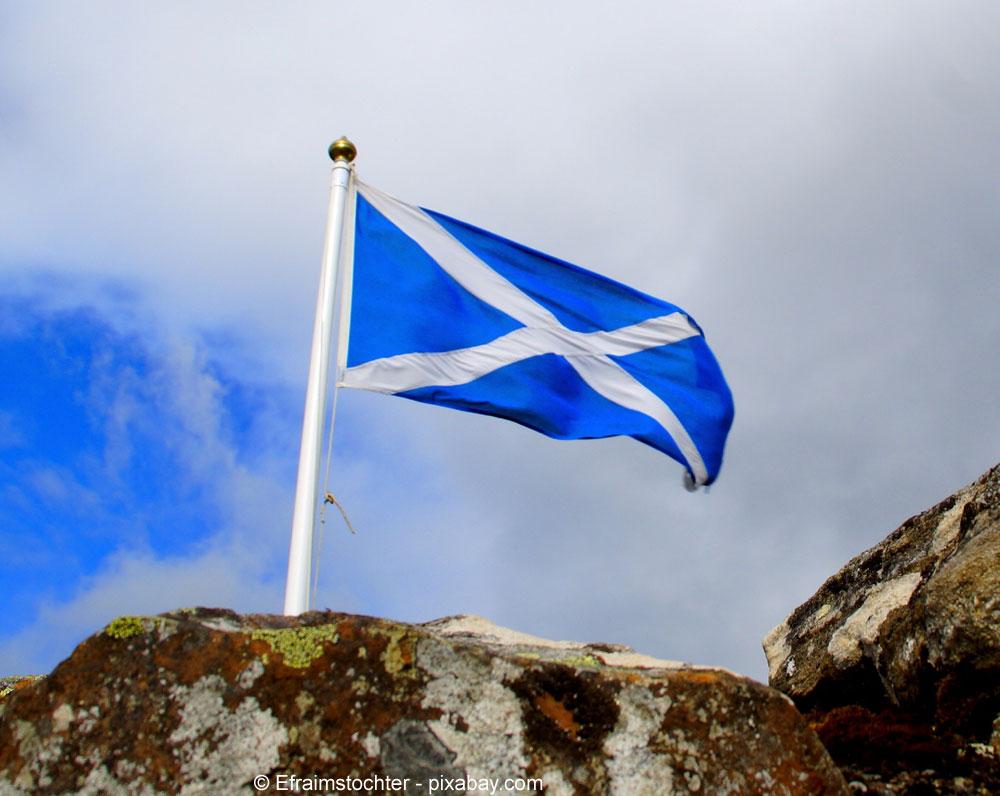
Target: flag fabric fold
{"points": [[446, 313]]}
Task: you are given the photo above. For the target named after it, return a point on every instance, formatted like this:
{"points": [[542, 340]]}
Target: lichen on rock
{"points": [[297, 646], [125, 627], [217, 745], [214, 699]]}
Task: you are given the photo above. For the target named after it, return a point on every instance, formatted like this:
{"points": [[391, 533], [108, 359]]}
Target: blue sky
{"points": [[816, 184], [118, 448]]}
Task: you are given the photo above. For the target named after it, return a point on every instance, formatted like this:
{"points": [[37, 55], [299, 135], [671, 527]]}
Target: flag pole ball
{"points": [[342, 149]]}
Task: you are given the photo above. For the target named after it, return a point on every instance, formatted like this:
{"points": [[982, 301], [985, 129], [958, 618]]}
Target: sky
{"points": [[817, 184]]}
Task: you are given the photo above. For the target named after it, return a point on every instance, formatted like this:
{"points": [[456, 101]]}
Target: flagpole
{"points": [[300, 551]]}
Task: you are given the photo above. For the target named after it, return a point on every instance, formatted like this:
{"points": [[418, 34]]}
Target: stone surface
{"points": [[896, 659], [204, 701], [8, 685], [903, 622]]}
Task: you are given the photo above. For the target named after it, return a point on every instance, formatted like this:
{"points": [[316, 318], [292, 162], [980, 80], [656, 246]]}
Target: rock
{"points": [[896, 659], [8, 685], [913, 622], [205, 701]]}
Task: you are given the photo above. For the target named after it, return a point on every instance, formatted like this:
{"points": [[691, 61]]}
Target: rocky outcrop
{"points": [[208, 702], [896, 658]]}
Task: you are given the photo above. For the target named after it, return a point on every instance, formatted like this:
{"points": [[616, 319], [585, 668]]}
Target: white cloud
{"points": [[140, 585], [817, 185]]}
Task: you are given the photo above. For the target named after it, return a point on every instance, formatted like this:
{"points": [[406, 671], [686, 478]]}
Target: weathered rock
{"points": [[8, 685], [202, 702], [913, 622], [896, 658]]}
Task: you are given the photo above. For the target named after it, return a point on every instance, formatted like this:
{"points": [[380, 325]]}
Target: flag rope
{"points": [[327, 498]]}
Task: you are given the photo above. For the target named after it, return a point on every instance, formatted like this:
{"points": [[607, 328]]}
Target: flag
{"points": [[446, 313]]}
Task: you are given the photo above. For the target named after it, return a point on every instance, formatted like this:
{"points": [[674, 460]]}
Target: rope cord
{"points": [[326, 491], [328, 498], [331, 499]]}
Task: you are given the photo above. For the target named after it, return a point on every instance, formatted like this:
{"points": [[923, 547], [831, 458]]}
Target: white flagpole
{"points": [[300, 552]]}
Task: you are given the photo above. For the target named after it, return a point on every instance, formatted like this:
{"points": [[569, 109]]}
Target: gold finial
{"points": [[342, 149]]}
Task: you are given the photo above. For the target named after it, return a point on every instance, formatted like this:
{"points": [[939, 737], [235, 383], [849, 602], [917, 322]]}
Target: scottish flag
{"points": [[446, 313]]}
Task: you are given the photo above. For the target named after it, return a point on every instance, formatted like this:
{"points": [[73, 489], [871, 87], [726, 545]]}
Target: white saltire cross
{"points": [[586, 352]]}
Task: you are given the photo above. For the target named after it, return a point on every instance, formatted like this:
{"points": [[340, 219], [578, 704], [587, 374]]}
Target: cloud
{"points": [[137, 584], [817, 185]]}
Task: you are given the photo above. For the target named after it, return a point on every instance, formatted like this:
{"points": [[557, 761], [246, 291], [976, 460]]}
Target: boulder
{"points": [[210, 702], [896, 659]]}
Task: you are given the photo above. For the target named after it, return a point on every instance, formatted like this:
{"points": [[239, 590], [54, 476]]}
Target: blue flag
{"points": [[446, 313]]}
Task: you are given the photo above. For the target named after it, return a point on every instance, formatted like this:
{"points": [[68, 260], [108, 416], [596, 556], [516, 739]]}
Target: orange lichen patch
{"points": [[8, 685], [556, 710], [699, 677], [221, 653], [567, 711], [348, 629]]}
